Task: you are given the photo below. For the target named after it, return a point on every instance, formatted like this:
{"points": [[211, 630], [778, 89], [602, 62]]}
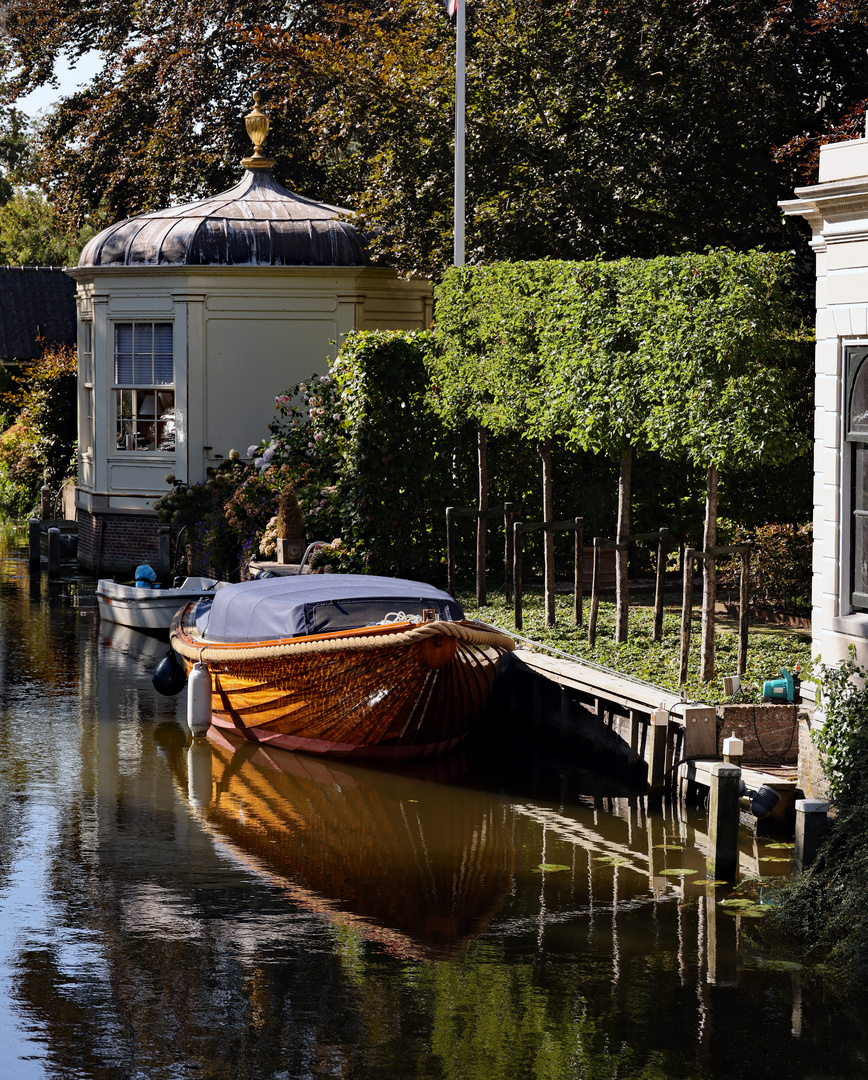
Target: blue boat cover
{"points": [[293, 606]]}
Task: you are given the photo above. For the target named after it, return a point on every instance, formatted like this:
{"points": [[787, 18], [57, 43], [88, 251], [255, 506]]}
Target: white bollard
{"points": [[199, 699]]}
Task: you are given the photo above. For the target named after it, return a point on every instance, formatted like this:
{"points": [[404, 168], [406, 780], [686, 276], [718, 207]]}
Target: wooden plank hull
{"points": [[416, 697]]}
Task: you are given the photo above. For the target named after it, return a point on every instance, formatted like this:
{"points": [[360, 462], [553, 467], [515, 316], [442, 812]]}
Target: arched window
{"points": [[857, 436]]}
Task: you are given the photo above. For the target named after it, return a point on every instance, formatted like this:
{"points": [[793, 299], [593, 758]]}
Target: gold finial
{"points": [[256, 123]]}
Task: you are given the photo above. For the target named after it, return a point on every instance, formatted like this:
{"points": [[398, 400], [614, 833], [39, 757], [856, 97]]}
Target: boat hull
{"points": [[145, 609], [393, 693]]}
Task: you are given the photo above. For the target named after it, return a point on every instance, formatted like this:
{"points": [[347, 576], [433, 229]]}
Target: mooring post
{"points": [[578, 551], [517, 552], [164, 551], [743, 597], [722, 861], [45, 502], [686, 613], [662, 545], [812, 822], [53, 552], [657, 734], [450, 550], [508, 511], [33, 550], [595, 594]]}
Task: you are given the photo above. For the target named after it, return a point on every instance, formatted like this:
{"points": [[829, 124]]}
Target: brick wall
{"points": [[770, 733], [811, 778], [117, 543]]}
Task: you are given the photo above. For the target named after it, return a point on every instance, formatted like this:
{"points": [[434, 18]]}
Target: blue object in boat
{"points": [[146, 577]]}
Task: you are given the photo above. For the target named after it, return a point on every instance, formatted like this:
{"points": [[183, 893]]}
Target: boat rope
{"points": [[474, 634]]}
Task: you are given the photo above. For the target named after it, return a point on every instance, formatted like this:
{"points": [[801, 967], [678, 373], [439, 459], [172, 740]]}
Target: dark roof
{"points": [[255, 223], [35, 301]]}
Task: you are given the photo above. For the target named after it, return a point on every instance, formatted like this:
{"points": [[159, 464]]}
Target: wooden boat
{"points": [[410, 862], [149, 609], [342, 664]]}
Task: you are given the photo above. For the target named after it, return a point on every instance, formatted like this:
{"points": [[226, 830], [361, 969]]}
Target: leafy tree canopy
{"points": [[606, 126]]}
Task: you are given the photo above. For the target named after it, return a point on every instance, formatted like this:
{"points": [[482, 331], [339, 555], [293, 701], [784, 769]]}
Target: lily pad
{"points": [[773, 847], [752, 911], [551, 868], [736, 902], [677, 871], [670, 847], [612, 860], [776, 858]]}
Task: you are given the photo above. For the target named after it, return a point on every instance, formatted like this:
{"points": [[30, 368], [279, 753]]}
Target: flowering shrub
{"points": [[226, 516], [780, 565], [370, 460], [338, 557]]}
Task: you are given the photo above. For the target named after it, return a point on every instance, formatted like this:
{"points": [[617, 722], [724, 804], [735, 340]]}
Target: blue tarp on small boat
{"points": [[293, 606]]}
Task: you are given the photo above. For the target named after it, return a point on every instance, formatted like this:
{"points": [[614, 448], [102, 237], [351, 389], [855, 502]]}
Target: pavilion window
{"points": [[85, 360], [144, 387], [857, 437]]}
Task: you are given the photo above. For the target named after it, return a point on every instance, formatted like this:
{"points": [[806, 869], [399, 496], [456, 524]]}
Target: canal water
{"points": [[171, 909]]}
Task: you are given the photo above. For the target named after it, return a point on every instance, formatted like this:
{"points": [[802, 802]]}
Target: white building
{"points": [[837, 210], [190, 321]]}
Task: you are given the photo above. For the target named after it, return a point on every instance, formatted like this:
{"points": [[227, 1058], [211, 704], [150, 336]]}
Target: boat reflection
{"points": [[413, 864]]}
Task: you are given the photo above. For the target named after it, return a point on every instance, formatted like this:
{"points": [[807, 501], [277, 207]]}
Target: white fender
{"points": [[199, 699]]}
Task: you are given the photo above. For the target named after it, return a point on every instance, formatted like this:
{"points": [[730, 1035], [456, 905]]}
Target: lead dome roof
{"points": [[256, 223]]}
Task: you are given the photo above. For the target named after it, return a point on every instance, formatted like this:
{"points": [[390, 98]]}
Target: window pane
{"points": [[858, 420], [123, 353]]}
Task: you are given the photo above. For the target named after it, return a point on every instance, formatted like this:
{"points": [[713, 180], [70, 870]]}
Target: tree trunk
{"points": [[544, 449], [709, 577], [481, 523], [622, 610]]}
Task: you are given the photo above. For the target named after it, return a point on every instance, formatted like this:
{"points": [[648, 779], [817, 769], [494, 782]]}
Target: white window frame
{"points": [[134, 431]]}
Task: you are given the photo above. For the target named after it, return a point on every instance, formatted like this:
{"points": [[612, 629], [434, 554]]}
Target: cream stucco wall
{"points": [[242, 335], [837, 210]]}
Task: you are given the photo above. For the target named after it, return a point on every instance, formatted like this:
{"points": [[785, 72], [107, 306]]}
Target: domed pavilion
{"points": [[191, 320]]}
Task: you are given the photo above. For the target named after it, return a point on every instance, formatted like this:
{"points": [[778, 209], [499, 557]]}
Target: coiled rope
{"points": [[196, 649]]}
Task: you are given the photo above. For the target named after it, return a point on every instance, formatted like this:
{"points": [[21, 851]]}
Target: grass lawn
{"points": [[769, 648]]}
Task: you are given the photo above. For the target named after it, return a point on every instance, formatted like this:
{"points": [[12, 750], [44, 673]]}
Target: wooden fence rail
{"points": [[506, 512], [690, 557], [571, 525], [623, 543]]}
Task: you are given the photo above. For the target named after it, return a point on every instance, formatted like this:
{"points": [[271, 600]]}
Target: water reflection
{"points": [[387, 854], [170, 909]]}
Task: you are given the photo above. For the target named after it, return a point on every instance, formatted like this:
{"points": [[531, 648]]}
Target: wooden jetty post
{"points": [[33, 550], [480, 516], [519, 528], [812, 823], [53, 552], [658, 734], [722, 860]]}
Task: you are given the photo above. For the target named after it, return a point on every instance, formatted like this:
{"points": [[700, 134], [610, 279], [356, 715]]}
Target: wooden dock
{"points": [[626, 723]]}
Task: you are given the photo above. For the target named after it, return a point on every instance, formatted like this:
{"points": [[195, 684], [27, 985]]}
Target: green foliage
{"points": [[697, 356], [39, 446], [31, 235], [371, 460], [600, 127], [823, 911], [655, 662], [843, 739], [780, 567]]}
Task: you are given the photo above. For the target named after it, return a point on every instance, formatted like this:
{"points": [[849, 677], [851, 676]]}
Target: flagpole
{"points": [[459, 136]]}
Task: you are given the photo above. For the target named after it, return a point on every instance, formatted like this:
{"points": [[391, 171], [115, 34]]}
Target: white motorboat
{"points": [[149, 608]]}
